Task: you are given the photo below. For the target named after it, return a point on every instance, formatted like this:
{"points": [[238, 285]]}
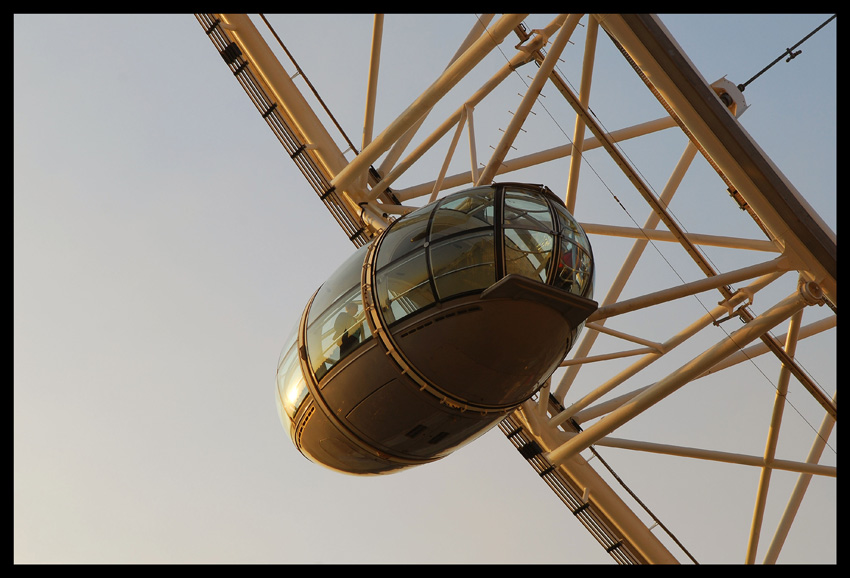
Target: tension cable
{"points": [[788, 51]]}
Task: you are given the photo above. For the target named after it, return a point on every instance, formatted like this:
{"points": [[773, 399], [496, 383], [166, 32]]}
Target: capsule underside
{"points": [[428, 337]]}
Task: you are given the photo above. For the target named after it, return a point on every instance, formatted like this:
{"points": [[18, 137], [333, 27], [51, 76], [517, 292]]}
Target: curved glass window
{"points": [[403, 287], [463, 264], [456, 235], [336, 322], [338, 331], [584, 275], [525, 210], [469, 211], [291, 387], [570, 228], [406, 235], [457, 246], [565, 269], [528, 253]]}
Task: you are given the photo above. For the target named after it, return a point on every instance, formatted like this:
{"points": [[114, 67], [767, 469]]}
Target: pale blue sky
{"points": [[164, 245]]}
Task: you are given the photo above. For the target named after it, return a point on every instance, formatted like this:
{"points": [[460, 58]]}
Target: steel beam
{"points": [[779, 206], [754, 329]]}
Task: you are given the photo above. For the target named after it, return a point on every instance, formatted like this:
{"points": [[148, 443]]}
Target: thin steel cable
{"points": [[788, 52]]}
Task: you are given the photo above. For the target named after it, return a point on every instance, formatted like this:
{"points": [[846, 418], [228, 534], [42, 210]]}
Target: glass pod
{"points": [[427, 337]]}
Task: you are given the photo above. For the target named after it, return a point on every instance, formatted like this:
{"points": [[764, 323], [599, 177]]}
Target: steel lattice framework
{"points": [[582, 411]]}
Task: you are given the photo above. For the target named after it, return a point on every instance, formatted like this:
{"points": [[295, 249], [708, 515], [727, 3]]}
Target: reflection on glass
{"points": [[527, 253], [290, 382], [461, 245], [472, 210], [565, 269], [584, 275], [406, 235], [525, 210], [463, 264], [403, 287], [336, 333], [570, 228]]}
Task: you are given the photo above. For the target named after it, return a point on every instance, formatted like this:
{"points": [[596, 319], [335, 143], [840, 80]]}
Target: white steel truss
{"points": [[680, 356]]}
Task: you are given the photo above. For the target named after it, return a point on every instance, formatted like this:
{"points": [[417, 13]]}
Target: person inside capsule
{"points": [[336, 332], [348, 329]]}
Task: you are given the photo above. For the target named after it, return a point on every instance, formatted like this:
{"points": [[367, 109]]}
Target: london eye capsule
{"points": [[428, 336]]}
